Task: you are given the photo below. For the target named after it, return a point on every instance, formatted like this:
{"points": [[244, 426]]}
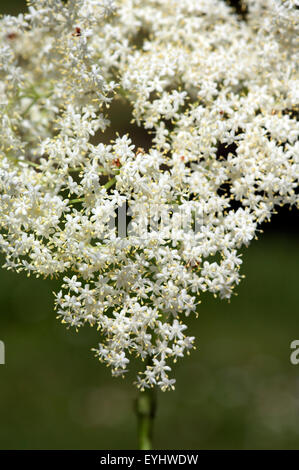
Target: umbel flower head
{"points": [[217, 95]]}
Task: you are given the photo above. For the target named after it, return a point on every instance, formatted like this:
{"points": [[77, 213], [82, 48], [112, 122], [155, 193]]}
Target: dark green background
{"points": [[237, 390]]}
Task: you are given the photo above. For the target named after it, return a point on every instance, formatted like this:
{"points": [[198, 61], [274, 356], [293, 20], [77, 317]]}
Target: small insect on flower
{"points": [[77, 32], [11, 36], [116, 162]]}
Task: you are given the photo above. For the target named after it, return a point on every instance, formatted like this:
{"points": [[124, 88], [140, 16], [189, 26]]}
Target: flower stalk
{"points": [[145, 406]]}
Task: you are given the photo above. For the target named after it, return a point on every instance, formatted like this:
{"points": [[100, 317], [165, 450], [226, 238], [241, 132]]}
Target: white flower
{"points": [[218, 98]]}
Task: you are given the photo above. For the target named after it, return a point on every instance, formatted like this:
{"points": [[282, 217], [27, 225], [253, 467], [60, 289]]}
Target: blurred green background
{"points": [[238, 390]]}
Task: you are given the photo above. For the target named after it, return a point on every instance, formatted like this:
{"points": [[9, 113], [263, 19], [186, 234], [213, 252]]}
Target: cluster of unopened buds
{"points": [[137, 234]]}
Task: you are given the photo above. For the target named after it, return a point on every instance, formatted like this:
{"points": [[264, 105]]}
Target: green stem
{"points": [[145, 411], [27, 162], [110, 183], [30, 106], [76, 201]]}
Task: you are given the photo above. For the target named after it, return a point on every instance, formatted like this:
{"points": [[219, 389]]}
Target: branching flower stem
{"points": [[108, 185]]}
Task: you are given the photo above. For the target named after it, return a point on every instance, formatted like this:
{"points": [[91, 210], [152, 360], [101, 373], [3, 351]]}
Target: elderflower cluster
{"points": [[217, 96]]}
